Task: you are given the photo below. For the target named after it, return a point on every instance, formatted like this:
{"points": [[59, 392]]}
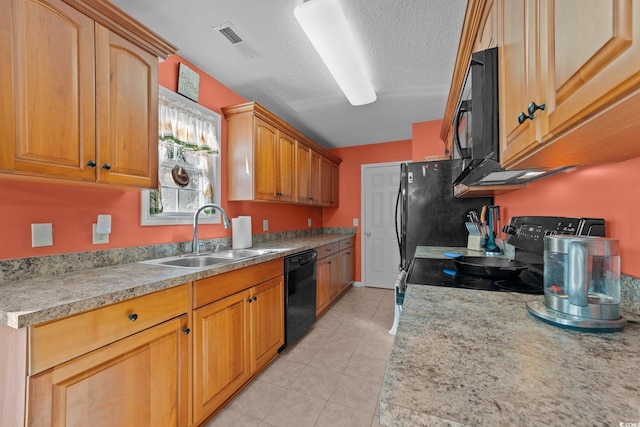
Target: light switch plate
{"points": [[309, 222], [99, 238], [41, 235], [355, 222], [265, 225]]}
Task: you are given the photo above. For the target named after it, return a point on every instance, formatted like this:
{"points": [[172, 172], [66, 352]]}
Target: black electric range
{"points": [[526, 234]]}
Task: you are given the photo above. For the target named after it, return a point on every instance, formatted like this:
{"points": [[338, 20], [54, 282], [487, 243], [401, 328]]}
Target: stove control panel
{"points": [[527, 232]]}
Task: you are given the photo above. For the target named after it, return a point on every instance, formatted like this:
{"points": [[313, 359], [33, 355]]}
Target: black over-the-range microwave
{"points": [[476, 135]]}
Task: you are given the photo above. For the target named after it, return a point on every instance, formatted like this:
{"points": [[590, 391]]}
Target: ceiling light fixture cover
{"points": [[325, 24]]}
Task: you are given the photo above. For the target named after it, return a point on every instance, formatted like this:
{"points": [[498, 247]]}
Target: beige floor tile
{"points": [[377, 348], [257, 399], [366, 367], [341, 344], [282, 372], [316, 382], [295, 410], [332, 360], [328, 323], [335, 415], [353, 330], [228, 417], [356, 393]]}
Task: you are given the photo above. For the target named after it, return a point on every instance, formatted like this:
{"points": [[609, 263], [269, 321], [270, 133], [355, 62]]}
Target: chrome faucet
{"points": [[195, 245]]}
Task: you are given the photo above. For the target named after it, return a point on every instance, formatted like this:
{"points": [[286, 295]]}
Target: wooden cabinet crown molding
{"points": [[107, 14], [470, 27], [264, 114]]}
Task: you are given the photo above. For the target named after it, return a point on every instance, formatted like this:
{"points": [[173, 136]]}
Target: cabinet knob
{"points": [[186, 331], [249, 300], [133, 317], [533, 107], [91, 164], [106, 166], [329, 262], [522, 117]]}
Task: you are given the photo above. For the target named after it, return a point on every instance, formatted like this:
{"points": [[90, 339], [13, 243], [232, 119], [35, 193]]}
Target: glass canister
{"points": [[582, 276]]}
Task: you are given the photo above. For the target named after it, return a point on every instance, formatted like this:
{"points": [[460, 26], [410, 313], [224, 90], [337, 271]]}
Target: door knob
{"points": [[367, 233]]}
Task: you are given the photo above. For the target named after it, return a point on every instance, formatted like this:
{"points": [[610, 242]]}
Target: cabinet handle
{"points": [[106, 166], [91, 164], [329, 262], [348, 253], [133, 317], [255, 298], [533, 107], [186, 331]]}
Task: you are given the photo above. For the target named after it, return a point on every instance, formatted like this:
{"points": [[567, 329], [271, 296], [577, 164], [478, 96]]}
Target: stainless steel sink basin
{"points": [[237, 254], [209, 259], [193, 262]]}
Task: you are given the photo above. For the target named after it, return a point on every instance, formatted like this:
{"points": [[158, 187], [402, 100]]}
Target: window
{"points": [[188, 163]]}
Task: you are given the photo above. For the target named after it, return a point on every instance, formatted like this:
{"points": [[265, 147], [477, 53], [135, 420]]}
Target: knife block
{"points": [[475, 243]]}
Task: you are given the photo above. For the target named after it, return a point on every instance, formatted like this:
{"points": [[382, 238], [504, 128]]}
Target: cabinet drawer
{"points": [[346, 244], [326, 250], [61, 340], [217, 287]]}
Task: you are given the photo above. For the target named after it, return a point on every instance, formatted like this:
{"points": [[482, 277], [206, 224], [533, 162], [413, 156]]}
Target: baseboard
{"points": [[358, 284]]}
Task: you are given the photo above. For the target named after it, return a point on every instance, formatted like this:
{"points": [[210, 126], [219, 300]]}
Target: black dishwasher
{"points": [[300, 294]]}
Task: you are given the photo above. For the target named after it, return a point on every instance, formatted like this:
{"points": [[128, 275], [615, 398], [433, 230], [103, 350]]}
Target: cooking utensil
{"points": [[180, 176], [500, 268], [491, 246]]}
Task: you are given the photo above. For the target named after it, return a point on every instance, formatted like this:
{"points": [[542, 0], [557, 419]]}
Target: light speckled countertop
{"points": [[474, 358], [31, 301]]}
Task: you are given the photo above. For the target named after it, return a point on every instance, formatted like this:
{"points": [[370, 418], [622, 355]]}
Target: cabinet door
{"points": [[316, 178], [487, 31], [335, 176], [517, 83], [221, 352], [48, 90], [591, 49], [285, 167], [267, 321], [126, 112], [347, 268], [265, 158], [138, 381], [323, 285], [335, 275], [326, 182], [303, 173]]}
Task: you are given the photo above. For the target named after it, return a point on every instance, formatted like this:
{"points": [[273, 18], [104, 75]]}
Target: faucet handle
{"points": [[219, 246]]}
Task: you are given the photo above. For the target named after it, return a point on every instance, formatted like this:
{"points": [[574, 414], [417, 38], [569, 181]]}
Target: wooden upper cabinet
{"points": [[51, 77], [488, 30], [127, 112], [316, 178], [268, 160], [303, 173], [580, 59], [330, 178], [79, 92], [591, 52], [517, 79]]}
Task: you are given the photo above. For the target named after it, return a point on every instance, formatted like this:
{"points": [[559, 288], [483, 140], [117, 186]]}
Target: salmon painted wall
{"points": [[350, 186], [608, 191], [72, 209], [426, 140]]}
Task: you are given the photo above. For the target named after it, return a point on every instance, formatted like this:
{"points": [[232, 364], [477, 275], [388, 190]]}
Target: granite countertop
{"points": [[475, 358], [31, 301]]}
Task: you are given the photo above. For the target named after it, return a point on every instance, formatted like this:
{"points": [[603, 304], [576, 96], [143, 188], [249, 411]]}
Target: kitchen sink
{"points": [[192, 262], [236, 254], [209, 259]]}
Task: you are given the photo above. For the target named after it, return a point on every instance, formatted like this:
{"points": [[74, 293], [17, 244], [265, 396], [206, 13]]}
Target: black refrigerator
{"points": [[428, 213]]}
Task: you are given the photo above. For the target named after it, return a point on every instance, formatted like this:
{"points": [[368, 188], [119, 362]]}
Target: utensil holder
{"points": [[475, 243]]}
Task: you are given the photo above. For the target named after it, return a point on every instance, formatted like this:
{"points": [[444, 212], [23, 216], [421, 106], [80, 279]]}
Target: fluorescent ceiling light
{"points": [[325, 24]]}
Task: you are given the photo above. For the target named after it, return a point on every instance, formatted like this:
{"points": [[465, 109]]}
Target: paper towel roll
{"points": [[241, 232]]}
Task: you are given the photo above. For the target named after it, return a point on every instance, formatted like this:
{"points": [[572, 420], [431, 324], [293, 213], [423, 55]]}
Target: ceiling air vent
{"points": [[231, 33]]}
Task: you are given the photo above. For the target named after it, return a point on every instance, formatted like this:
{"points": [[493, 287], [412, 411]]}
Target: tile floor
{"points": [[330, 377]]}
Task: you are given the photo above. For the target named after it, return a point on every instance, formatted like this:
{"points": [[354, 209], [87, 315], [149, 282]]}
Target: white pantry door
{"points": [[381, 256]]}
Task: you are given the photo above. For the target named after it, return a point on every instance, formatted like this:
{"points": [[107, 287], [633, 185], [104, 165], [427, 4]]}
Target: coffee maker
{"points": [[581, 284]]}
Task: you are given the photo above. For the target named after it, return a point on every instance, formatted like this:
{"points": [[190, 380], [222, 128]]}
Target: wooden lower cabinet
{"points": [[221, 352], [347, 260], [140, 380], [234, 338], [327, 281]]}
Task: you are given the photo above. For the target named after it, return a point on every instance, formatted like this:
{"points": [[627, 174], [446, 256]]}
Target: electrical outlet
{"points": [[265, 225], [355, 222], [309, 222], [99, 238]]}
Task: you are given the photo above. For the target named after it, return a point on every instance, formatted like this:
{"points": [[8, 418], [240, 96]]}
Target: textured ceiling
{"points": [[409, 45]]}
